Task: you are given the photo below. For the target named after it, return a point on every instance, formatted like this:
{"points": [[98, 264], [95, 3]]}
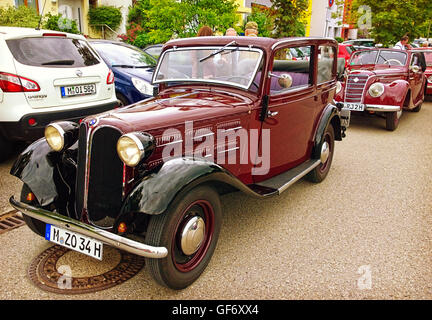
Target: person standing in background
{"points": [[403, 44], [230, 32], [251, 29], [205, 31]]}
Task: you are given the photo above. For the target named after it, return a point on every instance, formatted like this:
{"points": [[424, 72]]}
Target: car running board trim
{"points": [[283, 181]]}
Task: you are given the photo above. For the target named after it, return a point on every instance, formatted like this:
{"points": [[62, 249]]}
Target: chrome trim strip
{"points": [[294, 40], [299, 176], [109, 238]]}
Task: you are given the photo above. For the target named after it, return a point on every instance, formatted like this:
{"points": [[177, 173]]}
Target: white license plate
{"points": [[74, 241], [354, 106], [80, 90]]}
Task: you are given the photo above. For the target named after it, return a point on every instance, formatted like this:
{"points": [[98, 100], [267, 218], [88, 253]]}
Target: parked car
{"points": [[133, 69], [154, 50], [384, 82], [232, 113], [428, 73], [345, 51], [47, 76], [361, 43]]}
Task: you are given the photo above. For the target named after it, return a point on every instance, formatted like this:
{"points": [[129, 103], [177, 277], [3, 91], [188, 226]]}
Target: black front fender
{"points": [[156, 191], [34, 166], [330, 116]]}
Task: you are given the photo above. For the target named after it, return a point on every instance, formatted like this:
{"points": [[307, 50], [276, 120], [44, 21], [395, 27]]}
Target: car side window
{"points": [[291, 69], [325, 63], [419, 60], [415, 61]]}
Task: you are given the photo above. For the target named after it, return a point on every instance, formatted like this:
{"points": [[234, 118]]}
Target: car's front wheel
{"points": [[392, 120], [327, 150], [189, 230]]}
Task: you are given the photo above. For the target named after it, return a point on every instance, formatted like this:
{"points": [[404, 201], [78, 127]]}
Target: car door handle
{"points": [[272, 114]]}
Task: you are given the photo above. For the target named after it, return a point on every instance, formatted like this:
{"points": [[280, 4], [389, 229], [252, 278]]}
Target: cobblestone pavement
{"points": [[363, 233]]}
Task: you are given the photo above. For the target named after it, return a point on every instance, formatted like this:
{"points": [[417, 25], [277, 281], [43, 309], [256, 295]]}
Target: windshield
{"points": [[123, 56], [230, 65], [384, 57]]}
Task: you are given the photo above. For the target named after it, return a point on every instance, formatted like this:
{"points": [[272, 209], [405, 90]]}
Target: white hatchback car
{"points": [[46, 76]]}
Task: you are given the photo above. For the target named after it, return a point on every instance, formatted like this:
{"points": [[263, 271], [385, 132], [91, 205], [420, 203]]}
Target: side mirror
{"points": [[285, 80], [415, 69]]}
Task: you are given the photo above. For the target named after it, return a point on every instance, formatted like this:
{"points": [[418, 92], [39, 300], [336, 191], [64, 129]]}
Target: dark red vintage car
{"points": [[231, 114], [384, 82], [428, 73]]}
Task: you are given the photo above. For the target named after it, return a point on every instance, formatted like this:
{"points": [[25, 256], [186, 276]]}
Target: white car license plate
{"points": [[74, 241], [80, 90], [354, 106]]}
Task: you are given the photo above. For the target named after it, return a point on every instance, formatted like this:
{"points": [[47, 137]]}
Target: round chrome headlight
{"points": [[132, 148], [61, 134], [54, 135], [376, 89], [430, 79], [338, 87]]}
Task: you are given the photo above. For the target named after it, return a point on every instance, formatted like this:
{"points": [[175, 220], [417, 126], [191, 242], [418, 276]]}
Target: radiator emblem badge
{"points": [[92, 122]]}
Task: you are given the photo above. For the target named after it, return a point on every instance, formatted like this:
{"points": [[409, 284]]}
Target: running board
{"points": [[283, 181]]}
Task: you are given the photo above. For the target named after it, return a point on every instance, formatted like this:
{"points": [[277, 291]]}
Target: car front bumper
{"points": [[109, 238]]}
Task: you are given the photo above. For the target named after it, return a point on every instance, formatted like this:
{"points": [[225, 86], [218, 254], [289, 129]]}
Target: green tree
{"points": [[19, 17], [161, 20], [108, 15], [288, 16], [391, 19], [264, 21], [57, 22]]}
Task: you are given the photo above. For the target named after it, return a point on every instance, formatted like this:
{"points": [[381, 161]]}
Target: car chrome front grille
{"points": [[105, 178], [355, 86], [81, 170], [99, 182]]}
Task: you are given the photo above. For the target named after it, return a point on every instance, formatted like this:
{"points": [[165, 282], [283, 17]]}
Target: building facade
{"points": [[75, 10], [326, 18]]}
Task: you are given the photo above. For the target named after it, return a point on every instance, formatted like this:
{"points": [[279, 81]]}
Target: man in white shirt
{"points": [[403, 44]]}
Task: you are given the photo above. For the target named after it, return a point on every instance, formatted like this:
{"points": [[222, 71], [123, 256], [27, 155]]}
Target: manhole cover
{"points": [[49, 272]]}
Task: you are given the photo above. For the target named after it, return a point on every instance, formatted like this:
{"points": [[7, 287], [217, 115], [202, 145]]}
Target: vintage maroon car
{"points": [[232, 113], [384, 82], [428, 73]]}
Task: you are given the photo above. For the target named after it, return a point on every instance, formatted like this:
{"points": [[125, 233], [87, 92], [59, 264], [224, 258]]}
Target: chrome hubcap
{"points": [[325, 152], [192, 235]]}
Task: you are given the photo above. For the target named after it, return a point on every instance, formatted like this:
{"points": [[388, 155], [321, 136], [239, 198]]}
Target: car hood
{"points": [[142, 73], [377, 70], [174, 108]]}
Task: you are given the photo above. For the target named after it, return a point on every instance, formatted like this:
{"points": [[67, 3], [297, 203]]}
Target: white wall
{"points": [[322, 24]]}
